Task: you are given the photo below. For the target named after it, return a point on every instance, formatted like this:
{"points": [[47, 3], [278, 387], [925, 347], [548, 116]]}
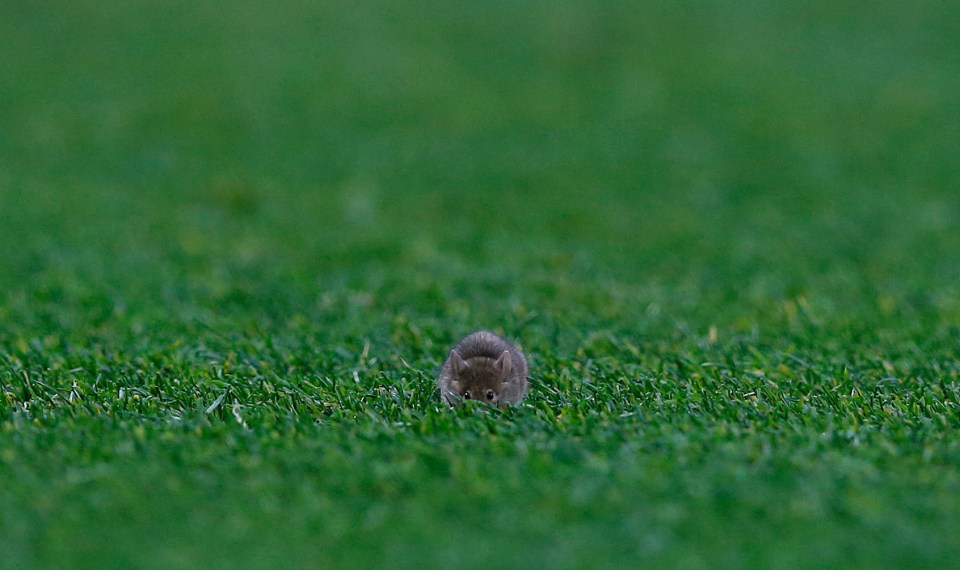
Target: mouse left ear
{"points": [[457, 362], [504, 364]]}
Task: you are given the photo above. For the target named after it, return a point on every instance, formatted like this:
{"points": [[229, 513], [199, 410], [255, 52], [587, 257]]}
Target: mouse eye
{"points": [[466, 395], [490, 394]]}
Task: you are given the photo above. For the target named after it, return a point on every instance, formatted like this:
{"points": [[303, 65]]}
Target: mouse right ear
{"points": [[504, 364], [457, 362]]}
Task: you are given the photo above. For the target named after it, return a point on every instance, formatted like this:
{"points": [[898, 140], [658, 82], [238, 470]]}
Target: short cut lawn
{"points": [[238, 239]]}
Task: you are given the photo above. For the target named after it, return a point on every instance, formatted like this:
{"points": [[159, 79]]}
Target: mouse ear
{"points": [[504, 364], [457, 362]]}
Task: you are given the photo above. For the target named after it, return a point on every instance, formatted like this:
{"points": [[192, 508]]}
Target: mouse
{"points": [[484, 367]]}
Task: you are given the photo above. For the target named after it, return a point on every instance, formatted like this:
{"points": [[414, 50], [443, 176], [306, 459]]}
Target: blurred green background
{"points": [[195, 196], [655, 143]]}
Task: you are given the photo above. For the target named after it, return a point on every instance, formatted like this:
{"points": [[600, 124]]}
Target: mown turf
{"points": [[237, 240]]}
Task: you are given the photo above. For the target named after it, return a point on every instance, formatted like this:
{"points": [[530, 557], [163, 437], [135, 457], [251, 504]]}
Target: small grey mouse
{"points": [[483, 367]]}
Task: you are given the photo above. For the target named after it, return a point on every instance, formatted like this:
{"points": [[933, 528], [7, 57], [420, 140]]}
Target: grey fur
{"points": [[483, 364]]}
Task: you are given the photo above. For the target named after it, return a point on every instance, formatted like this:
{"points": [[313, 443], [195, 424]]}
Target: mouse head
{"points": [[480, 378]]}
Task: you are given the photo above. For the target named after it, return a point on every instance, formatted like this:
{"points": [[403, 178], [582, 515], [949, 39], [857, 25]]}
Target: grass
{"points": [[237, 244]]}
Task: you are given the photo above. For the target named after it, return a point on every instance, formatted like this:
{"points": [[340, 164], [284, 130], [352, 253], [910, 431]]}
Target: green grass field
{"points": [[237, 240]]}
